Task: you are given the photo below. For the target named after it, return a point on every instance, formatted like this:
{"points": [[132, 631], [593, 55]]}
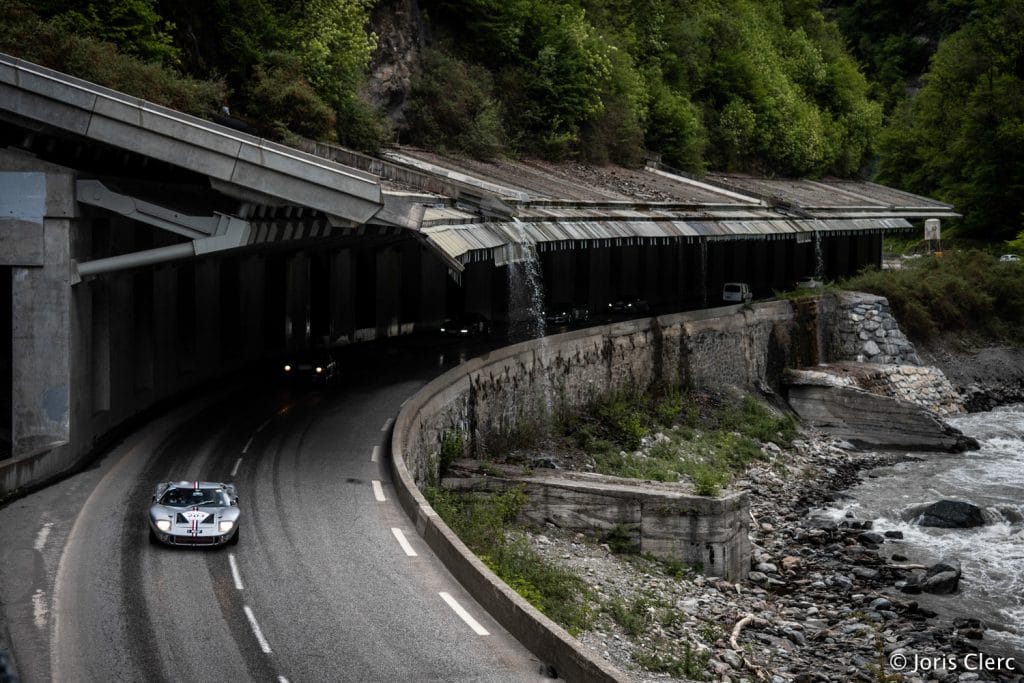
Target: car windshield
{"points": [[182, 497]]}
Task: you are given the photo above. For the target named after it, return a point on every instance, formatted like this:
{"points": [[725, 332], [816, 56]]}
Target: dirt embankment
{"points": [[987, 376]]}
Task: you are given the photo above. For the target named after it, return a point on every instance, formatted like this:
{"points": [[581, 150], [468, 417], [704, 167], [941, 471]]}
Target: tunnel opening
{"points": [[6, 367]]}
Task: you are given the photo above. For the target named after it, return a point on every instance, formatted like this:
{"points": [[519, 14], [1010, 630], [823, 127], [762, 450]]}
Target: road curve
{"points": [[329, 582]]}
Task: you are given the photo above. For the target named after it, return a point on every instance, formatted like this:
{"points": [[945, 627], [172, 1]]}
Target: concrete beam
{"points": [[240, 162]]}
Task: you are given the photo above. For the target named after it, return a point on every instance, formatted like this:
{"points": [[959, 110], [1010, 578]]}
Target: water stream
{"points": [[819, 257], [526, 305], [992, 556], [525, 288]]}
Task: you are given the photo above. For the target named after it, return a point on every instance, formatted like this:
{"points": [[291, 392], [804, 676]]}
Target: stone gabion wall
{"points": [[863, 329], [924, 386]]}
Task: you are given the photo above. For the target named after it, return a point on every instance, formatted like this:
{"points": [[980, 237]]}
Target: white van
{"points": [[736, 292]]}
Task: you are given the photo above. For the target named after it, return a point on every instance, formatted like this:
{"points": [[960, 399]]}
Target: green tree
{"points": [[962, 136], [134, 26]]}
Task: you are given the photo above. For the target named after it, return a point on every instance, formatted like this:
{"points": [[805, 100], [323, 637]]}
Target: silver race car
{"points": [[194, 513]]}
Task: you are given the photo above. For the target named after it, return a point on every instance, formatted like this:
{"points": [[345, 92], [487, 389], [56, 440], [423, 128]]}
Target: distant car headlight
{"points": [[163, 524], [226, 526], [287, 368], [319, 369], [442, 329], [463, 331]]}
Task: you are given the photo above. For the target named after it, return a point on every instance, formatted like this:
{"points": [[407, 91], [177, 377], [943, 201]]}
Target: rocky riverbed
{"points": [[826, 599]]}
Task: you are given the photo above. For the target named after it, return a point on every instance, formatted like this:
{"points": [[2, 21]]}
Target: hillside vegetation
{"points": [[923, 94]]}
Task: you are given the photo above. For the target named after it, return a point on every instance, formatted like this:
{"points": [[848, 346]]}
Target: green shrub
{"points": [[963, 292], [452, 449], [482, 521], [675, 658]]}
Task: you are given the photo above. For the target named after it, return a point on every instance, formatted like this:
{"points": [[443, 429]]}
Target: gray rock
{"points": [[880, 604], [732, 658], [942, 578], [951, 514], [872, 537]]}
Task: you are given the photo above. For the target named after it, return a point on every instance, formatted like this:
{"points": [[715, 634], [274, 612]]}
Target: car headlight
{"points": [[163, 524], [463, 331], [287, 368], [319, 369], [226, 525]]}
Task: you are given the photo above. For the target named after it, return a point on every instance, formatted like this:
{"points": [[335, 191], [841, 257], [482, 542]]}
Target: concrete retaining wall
{"points": [[740, 345]]}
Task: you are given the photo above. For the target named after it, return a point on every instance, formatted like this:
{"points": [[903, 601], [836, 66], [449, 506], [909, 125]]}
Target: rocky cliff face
{"points": [[400, 39]]}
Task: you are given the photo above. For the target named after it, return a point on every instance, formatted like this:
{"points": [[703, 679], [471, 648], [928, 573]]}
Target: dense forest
{"points": [[925, 95]]}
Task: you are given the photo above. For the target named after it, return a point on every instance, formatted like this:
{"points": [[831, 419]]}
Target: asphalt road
{"points": [[329, 582]]}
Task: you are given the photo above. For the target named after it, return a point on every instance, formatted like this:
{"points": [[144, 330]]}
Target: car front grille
{"points": [[193, 540]]}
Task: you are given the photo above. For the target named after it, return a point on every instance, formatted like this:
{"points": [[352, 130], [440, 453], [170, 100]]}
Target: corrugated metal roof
{"points": [[469, 241]]}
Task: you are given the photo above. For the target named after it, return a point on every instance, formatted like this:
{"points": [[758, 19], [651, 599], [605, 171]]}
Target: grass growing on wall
{"points": [[484, 523], [703, 441]]}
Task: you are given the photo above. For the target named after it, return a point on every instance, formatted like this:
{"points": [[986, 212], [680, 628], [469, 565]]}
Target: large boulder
{"points": [[951, 514], [942, 578]]}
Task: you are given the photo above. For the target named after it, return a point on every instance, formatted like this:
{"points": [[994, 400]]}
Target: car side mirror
{"points": [[235, 501]]}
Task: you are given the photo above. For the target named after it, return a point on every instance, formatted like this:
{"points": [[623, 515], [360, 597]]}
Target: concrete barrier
{"points": [[731, 345]]}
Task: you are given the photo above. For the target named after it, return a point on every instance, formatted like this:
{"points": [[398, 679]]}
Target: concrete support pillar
{"points": [[477, 283], [389, 290], [343, 315], [433, 290], [6, 361], [650, 273], [297, 301], [841, 261], [629, 274], [560, 276], [207, 314], [36, 233], [409, 253], [780, 250], [252, 273], [600, 265], [165, 328], [740, 271]]}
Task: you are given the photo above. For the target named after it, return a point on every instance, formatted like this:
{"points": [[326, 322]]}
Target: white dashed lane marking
{"points": [[378, 491], [44, 533], [264, 645], [234, 572], [245, 448], [387, 425], [404, 542], [376, 454], [234, 470], [466, 616]]}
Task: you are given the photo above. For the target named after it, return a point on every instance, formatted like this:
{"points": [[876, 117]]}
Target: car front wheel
{"points": [[234, 539]]}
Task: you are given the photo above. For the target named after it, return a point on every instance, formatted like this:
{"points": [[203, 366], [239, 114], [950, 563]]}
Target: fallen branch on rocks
{"points": [[734, 643], [738, 628], [907, 566]]}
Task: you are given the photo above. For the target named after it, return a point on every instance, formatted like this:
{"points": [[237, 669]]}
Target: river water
{"points": [[992, 556]]}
